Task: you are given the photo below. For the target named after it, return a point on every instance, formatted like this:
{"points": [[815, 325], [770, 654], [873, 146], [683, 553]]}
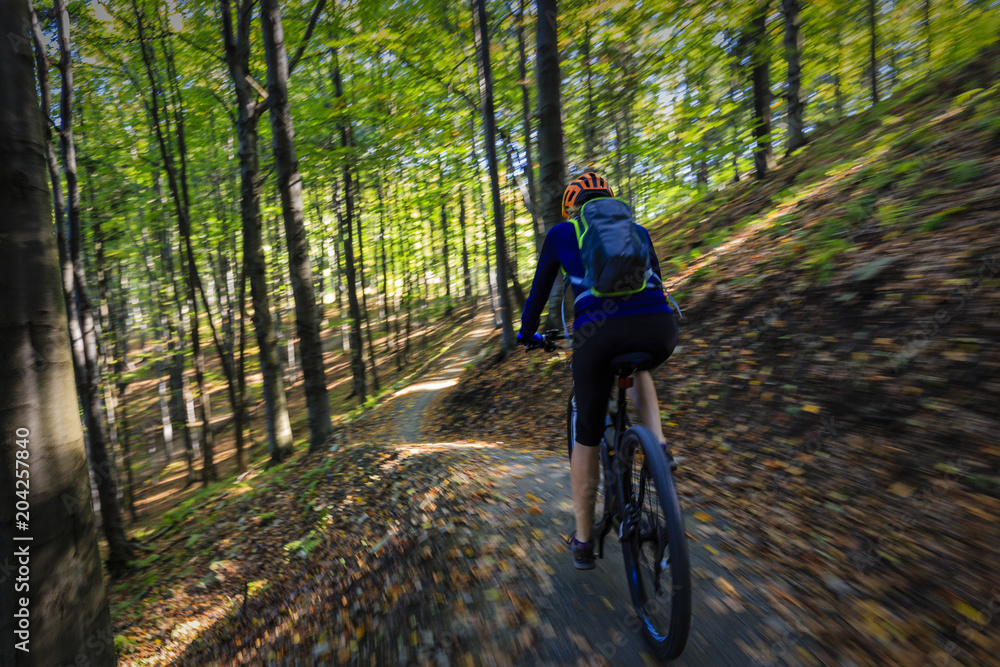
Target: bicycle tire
{"points": [[670, 540]]}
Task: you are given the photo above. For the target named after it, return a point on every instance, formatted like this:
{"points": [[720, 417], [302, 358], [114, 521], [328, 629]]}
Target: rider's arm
{"points": [[545, 274]]}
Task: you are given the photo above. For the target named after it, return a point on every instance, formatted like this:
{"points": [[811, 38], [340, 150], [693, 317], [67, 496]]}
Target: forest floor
{"points": [[162, 478], [413, 550], [834, 398]]}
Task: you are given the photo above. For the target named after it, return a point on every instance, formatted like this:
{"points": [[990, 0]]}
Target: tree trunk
{"points": [[927, 31], [38, 405], [793, 53], [551, 152], [481, 196], [121, 369], [290, 185], [177, 182], [346, 225], [838, 92], [176, 352], [120, 551], [489, 132], [444, 251], [873, 49], [240, 416], [529, 161], [512, 243], [366, 314], [590, 114], [466, 273], [763, 157], [386, 330]]}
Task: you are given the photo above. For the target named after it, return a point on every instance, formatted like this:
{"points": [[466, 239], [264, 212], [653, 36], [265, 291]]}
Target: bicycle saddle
{"points": [[626, 364]]}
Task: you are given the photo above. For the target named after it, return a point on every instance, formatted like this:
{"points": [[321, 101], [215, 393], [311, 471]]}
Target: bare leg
{"points": [[643, 395], [584, 475]]}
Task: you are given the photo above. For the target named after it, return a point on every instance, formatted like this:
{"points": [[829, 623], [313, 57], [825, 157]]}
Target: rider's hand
{"points": [[530, 342]]}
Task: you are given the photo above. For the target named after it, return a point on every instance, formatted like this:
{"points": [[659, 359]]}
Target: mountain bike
{"points": [[637, 498]]}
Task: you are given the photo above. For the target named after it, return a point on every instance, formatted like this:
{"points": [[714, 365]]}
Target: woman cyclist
{"points": [[603, 328]]}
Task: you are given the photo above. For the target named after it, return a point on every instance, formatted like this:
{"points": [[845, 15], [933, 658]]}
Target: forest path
{"points": [[504, 589]]}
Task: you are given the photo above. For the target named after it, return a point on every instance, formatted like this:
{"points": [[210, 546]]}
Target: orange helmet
{"points": [[589, 182]]}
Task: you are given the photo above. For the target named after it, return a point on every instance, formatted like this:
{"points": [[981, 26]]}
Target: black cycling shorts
{"points": [[595, 345]]}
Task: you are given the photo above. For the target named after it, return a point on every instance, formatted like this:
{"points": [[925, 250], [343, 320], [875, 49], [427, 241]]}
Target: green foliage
{"points": [[820, 265], [937, 220], [929, 194], [782, 225], [857, 212], [702, 274], [961, 172], [894, 212], [918, 138], [832, 227], [147, 561], [304, 546], [907, 171]]}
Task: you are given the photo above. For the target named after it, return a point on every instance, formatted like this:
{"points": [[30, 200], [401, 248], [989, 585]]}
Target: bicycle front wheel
{"points": [[655, 548]]}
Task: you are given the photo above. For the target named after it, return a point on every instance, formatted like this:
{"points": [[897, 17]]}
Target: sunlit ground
{"points": [[426, 386]]}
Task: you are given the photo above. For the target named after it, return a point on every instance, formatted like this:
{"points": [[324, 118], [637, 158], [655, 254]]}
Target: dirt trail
{"points": [[514, 595]]}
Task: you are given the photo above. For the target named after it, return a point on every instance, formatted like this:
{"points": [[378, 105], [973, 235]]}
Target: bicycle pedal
{"points": [[670, 459]]}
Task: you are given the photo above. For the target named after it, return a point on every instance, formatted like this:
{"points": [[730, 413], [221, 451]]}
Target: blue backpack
{"points": [[616, 254]]}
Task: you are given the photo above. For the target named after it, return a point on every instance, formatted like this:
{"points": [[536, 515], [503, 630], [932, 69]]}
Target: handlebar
{"points": [[550, 338]]}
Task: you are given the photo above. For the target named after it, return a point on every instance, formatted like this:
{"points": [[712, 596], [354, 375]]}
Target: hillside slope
{"points": [[835, 392]]}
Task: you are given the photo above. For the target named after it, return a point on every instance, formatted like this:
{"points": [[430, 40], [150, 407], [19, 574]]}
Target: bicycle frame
{"points": [[613, 506]]}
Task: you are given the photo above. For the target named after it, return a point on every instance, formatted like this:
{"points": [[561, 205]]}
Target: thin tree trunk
{"points": [[176, 352], [386, 330], [590, 114], [512, 244], [366, 314], [929, 35], [873, 49], [177, 181], [551, 151], [481, 195], [120, 551], [489, 132], [735, 119], [38, 405], [444, 251], [290, 185], [346, 225], [529, 161], [793, 53], [466, 273], [763, 156], [240, 413], [838, 92], [121, 369], [893, 44]]}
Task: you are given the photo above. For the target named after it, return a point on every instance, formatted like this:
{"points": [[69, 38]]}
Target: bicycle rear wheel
{"points": [[656, 556]]}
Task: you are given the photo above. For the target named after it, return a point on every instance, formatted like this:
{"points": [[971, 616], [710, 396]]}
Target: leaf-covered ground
{"points": [[403, 549], [835, 393]]}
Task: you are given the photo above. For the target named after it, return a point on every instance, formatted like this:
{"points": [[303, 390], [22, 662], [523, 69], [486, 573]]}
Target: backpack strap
{"points": [[580, 226], [652, 280]]}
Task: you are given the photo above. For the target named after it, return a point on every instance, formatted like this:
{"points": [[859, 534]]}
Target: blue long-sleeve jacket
{"points": [[560, 250]]}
